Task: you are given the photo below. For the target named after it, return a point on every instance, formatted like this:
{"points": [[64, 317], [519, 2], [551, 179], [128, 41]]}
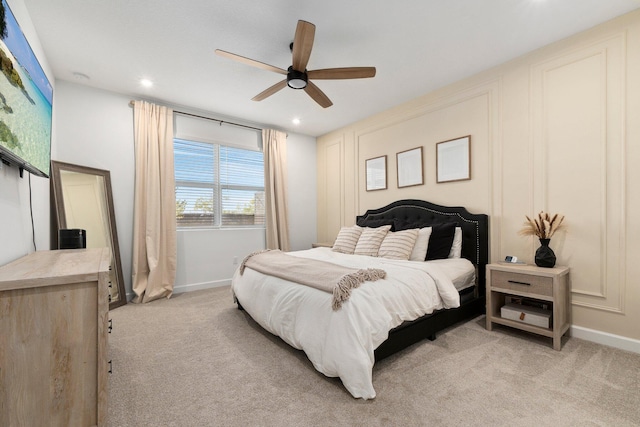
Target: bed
{"points": [[414, 301]]}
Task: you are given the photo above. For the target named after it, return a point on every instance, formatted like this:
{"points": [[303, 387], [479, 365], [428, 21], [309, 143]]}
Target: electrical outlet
{"points": [[235, 260]]}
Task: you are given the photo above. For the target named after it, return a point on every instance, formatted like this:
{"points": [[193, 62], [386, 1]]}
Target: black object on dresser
{"points": [[72, 238]]}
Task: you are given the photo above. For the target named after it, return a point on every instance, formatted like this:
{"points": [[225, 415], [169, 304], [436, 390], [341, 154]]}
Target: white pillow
{"points": [[419, 252], [456, 247], [347, 239], [370, 240], [399, 244]]}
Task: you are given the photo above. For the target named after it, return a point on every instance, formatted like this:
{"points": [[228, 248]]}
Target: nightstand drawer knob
{"points": [[519, 283]]}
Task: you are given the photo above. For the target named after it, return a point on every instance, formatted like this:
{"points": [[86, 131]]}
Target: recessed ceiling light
{"points": [[146, 82], [296, 121], [80, 76]]}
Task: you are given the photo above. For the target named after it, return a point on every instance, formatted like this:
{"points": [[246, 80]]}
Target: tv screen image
{"points": [[26, 98]]}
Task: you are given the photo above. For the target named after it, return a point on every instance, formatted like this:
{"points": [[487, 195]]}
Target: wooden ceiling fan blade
{"points": [[314, 92], [251, 62], [342, 73], [302, 45], [270, 91]]}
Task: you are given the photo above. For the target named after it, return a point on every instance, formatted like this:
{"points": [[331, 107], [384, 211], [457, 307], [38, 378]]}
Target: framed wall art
{"points": [[410, 167], [453, 160], [376, 173]]}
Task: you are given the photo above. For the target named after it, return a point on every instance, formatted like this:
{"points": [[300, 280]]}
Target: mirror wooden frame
{"points": [[61, 217]]}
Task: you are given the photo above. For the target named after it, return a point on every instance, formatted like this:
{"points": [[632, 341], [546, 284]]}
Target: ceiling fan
{"points": [[297, 75]]}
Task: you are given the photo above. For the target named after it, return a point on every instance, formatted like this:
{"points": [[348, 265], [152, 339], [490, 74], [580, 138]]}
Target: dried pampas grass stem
{"points": [[544, 226]]}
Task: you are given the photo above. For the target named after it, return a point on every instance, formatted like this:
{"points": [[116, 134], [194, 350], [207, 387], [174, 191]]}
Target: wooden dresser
{"points": [[54, 366]]}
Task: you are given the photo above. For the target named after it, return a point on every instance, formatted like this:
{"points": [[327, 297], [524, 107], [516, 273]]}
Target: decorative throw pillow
{"points": [[399, 244], [441, 240], [456, 247], [347, 239], [370, 240], [419, 252]]}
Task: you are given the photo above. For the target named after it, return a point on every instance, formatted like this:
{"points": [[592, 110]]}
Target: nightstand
{"points": [[540, 286]]}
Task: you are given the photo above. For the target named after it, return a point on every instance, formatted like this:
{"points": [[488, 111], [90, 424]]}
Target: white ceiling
{"points": [[416, 45]]}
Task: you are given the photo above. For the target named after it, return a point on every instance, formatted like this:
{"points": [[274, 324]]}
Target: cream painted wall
{"points": [[554, 130]]}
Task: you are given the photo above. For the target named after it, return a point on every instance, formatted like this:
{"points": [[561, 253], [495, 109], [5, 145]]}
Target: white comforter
{"points": [[341, 343]]}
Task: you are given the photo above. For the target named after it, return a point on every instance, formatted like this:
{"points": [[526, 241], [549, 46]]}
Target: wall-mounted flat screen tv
{"points": [[26, 98]]}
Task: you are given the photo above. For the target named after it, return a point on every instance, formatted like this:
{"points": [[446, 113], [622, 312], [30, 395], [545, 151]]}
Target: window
{"points": [[217, 185]]}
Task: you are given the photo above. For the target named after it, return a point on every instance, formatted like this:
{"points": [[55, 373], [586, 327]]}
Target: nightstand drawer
{"points": [[521, 282]]}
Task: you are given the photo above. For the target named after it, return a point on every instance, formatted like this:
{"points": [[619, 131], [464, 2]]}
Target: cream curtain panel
{"points": [[274, 147], [154, 223]]}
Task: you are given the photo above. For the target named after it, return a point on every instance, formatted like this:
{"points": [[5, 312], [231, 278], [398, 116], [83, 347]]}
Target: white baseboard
{"points": [[199, 286], [192, 287], [611, 340]]}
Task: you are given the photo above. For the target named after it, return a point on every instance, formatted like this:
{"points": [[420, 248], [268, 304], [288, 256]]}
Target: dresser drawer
{"points": [[522, 282]]}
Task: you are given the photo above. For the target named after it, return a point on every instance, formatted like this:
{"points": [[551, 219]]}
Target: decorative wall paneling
{"points": [[425, 124], [578, 164], [553, 130], [334, 171]]}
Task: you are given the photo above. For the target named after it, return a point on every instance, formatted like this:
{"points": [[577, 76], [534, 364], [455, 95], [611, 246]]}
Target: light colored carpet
{"points": [[196, 360]]}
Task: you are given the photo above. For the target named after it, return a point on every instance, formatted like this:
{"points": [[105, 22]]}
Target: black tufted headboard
{"points": [[475, 227]]}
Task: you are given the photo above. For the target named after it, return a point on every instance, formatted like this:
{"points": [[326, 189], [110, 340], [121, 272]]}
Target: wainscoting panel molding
{"points": [[333, 190], [472, 111], [578, 147], [553, 130]]}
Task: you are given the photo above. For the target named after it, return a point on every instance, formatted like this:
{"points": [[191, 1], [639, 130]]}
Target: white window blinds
{"points": [[217, 185]]}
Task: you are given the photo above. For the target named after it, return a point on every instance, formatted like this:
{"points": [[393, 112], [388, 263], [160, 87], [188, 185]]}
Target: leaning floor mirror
{"points": [[82, 199]]}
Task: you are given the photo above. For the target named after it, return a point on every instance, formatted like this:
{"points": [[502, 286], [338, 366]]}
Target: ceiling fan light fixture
{"points": [[296, 79]]}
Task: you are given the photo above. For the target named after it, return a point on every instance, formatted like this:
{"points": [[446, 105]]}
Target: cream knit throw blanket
{"points": [[328, 277]]}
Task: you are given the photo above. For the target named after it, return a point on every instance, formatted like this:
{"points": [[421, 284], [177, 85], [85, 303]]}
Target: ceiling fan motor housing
{"points": [[296, 79]]}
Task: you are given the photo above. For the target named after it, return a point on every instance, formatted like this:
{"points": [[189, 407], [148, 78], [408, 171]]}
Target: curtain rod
{"points": [[131, 103]]}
